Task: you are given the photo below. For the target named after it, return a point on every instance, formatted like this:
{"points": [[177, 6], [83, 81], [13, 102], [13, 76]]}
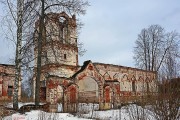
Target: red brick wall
{"points": [[6, 79]]}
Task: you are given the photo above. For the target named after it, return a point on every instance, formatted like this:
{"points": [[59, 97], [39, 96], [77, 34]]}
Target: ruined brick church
{"points": [[64, 81]]}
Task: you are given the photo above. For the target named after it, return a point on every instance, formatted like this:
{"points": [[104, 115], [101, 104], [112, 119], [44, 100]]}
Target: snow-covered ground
{"points": [[10, 105], [40, 115], [85, 112], [128, 112]]}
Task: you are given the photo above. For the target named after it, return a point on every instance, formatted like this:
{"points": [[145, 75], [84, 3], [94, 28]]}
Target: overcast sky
{"points": [[111, 28]]}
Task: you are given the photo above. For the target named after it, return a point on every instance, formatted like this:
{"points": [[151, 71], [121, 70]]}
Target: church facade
{"points": [[64, 81]]}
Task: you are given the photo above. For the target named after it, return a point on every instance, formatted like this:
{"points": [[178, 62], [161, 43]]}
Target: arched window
{"points": [[61, 19], [63, 29], [147, 86], [133, 86], [125, 84]]}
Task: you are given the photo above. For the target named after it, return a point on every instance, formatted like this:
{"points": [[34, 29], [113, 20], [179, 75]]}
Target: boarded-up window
{"points": [[107, 94], [72, 94], [118, 89]]}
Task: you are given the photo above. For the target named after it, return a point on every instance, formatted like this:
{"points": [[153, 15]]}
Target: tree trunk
{"points": [[18, 52], [39, 47]]}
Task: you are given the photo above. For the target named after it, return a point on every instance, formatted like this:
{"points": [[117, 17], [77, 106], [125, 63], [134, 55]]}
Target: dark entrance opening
{"points": [[10, 91]]}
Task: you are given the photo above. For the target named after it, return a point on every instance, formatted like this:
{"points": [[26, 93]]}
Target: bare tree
{"points": [[170, 66], [158, 50], [18, 52], [16, 18], [155, 47]]}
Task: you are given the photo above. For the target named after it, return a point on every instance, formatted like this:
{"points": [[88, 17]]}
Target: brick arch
{"points": [[96, 76], [89, 70], [88, 89], [92, 72], [63, 14], [57, 15]]}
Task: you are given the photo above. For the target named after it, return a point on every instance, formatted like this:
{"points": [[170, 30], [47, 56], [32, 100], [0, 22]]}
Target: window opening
{"points": [[133, 87], [65, 57], [10, 90]]}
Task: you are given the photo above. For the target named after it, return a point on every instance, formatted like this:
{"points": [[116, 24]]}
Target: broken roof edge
{"points": [[83, 67]]}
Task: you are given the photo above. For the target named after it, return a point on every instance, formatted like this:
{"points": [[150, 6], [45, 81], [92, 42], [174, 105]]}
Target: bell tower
{"points": [[59, 48]]}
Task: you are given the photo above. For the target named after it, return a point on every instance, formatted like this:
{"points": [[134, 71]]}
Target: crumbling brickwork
{"points": [[7, 76], [131, 79], [65, 82]]}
